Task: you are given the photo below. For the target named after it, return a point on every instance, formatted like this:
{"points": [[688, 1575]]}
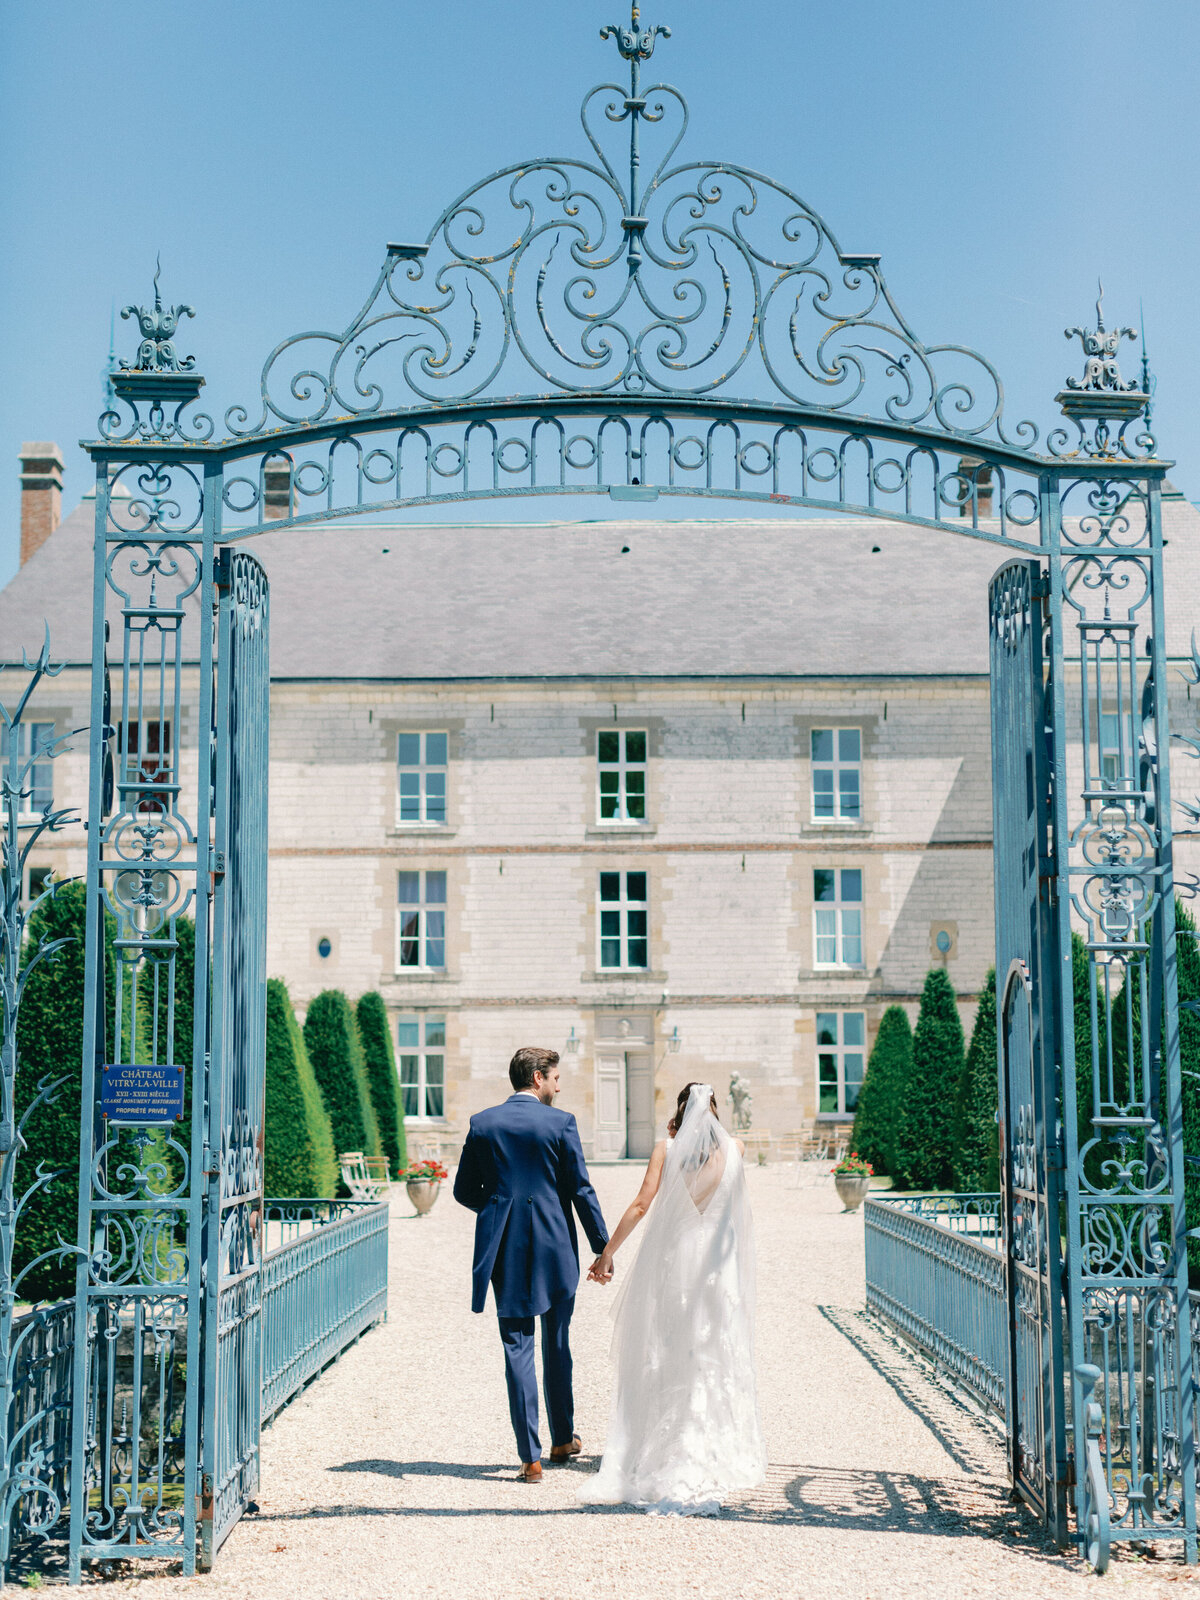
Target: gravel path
{"points": [[392, 1475]]}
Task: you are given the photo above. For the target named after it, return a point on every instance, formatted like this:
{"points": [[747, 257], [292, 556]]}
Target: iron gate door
{"points": [[1027, 983], [234, 1146]]}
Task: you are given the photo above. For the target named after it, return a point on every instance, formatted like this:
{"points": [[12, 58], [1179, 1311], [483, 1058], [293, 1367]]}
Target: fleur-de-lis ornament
{"points": [[634, 42], [1101, 374], [156, 353]]}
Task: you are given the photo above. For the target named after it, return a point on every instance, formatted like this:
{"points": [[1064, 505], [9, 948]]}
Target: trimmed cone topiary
{"points": [[1188, 976], [877, 1115], [335, 1049], [927, 1127], [300, 1161], [372, 1017], [49, 1045], [976, 1133]]}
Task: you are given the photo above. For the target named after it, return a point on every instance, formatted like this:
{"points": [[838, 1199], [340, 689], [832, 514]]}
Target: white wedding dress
{"points": [[685, 1429]]}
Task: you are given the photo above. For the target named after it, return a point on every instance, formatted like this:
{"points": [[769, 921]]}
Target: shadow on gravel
{"points": [[426, 1469], [967, 1440]]}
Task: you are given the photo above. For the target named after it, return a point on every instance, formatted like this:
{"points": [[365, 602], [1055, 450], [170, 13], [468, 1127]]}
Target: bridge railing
{"points": [[324, 1283], [934, 1272], [321, 1289]]}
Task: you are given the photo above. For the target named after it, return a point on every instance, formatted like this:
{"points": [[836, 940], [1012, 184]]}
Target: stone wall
{"points": [[729, 846]]}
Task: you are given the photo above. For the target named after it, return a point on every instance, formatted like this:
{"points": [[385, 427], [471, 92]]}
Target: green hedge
{"points": [[1188, 968], [927, 1126], [976, 1133], [335, 1049], [372, 1018], [300, 1160], [884, 1091], [49, 1044], [1127, 1023]]}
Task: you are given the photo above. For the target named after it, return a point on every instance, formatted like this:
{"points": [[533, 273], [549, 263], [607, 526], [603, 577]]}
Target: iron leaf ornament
{"points": [[1101, 372], [158, 324]]}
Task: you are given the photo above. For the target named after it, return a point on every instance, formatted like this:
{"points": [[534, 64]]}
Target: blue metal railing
{"points": [[935, 1272], [321, 1289], [39, 1422], [941, 1287], [324, 1283], [976, 1215]]}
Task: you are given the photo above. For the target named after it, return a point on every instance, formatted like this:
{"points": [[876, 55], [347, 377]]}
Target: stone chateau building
{"points": [[678, 799]]}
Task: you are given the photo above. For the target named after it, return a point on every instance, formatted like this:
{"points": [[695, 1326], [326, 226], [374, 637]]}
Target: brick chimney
{"points": [[41, 495], [279, 491]]}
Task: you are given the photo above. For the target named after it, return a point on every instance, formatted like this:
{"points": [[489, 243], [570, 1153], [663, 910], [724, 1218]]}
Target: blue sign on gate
{"points": [[142, 1094]]}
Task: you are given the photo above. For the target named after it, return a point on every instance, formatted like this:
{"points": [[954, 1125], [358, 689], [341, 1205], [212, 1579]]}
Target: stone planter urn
{"points": [[423, 1192], [851, 1190]]}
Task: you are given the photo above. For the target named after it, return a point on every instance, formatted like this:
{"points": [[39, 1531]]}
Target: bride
{"points": [[685, 1429]]}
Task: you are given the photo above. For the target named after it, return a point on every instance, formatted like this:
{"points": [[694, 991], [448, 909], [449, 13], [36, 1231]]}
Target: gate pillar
{"points": [[1126, 1282], [135, 1436]]}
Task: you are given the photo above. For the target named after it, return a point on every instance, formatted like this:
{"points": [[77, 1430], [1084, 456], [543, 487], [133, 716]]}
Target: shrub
{"points": [[1188, 967], [372, 1017], [49, 1045], [300, 1160], [1127, 1031], [976, 1134], [926, 1128], [335, 1050], [881, 1101]]}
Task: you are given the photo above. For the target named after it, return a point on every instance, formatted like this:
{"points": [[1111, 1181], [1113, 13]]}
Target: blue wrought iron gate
{"points": [[1026, 1003], [233, 1243], [629, 325]]}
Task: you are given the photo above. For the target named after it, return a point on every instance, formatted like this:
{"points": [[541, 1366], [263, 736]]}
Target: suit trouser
{"points": [[520, 1374]]}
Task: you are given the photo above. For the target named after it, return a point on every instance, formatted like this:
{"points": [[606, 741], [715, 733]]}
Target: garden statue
{"points": [[739, 1095]]}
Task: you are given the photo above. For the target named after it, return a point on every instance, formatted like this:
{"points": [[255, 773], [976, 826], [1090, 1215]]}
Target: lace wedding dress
{"points": [[685, 1428]]}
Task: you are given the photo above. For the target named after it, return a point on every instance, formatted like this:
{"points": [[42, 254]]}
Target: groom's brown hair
{"points": [[530, 1058]]}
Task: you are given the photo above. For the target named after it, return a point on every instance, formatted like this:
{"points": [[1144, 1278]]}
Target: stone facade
{"points": [[728, 844], [732, 978]]}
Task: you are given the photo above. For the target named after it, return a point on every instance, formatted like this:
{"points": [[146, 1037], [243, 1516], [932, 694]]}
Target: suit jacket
{"points": [[522, 1171]]}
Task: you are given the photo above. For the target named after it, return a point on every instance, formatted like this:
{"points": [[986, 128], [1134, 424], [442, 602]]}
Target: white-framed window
{"points": [[837, 917], [1113, 763], [836, 775], [34, 883], [621, 755], [37, 787], [421, 921], [421, 1063], [145, 771], [421, 763], [841, 1061], [624, 920]]}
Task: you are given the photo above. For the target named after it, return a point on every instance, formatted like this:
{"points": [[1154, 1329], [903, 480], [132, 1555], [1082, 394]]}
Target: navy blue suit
{"points": [[523, 1174]]}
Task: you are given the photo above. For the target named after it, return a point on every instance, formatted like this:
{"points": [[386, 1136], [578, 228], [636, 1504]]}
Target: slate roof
{"points": [[731, 598]]}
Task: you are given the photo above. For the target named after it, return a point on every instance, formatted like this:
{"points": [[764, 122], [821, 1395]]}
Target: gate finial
{"points": [[634, 42], [1149, 382], [156, 353], [636, 45], [1101, 397], [1101, 374]]}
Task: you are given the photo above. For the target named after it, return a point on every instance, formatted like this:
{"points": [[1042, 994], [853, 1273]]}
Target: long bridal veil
{"points": [[685, 1428]]}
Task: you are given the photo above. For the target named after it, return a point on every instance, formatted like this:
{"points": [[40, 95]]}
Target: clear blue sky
{"points": [[999, 155]]}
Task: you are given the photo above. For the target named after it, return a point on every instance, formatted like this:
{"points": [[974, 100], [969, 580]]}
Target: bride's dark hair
{"points": [[674, 1124]]}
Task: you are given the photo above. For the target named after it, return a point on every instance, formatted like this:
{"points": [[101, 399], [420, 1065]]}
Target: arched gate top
{"points": [[629, 281]]}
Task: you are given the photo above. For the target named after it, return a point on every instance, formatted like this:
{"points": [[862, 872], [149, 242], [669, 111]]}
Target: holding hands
{"points": [[601, 1270]]}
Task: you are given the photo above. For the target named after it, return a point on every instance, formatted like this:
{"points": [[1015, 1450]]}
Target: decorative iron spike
{"points": [[1101, 373], [156, 353]]}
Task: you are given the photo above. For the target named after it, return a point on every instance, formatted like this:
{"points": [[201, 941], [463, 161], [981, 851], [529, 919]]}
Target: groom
{"points": [[521, 1171]]}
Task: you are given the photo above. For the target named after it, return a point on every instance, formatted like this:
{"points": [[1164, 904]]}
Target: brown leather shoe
{"points": [[564, 1452], [531, 1472]]}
